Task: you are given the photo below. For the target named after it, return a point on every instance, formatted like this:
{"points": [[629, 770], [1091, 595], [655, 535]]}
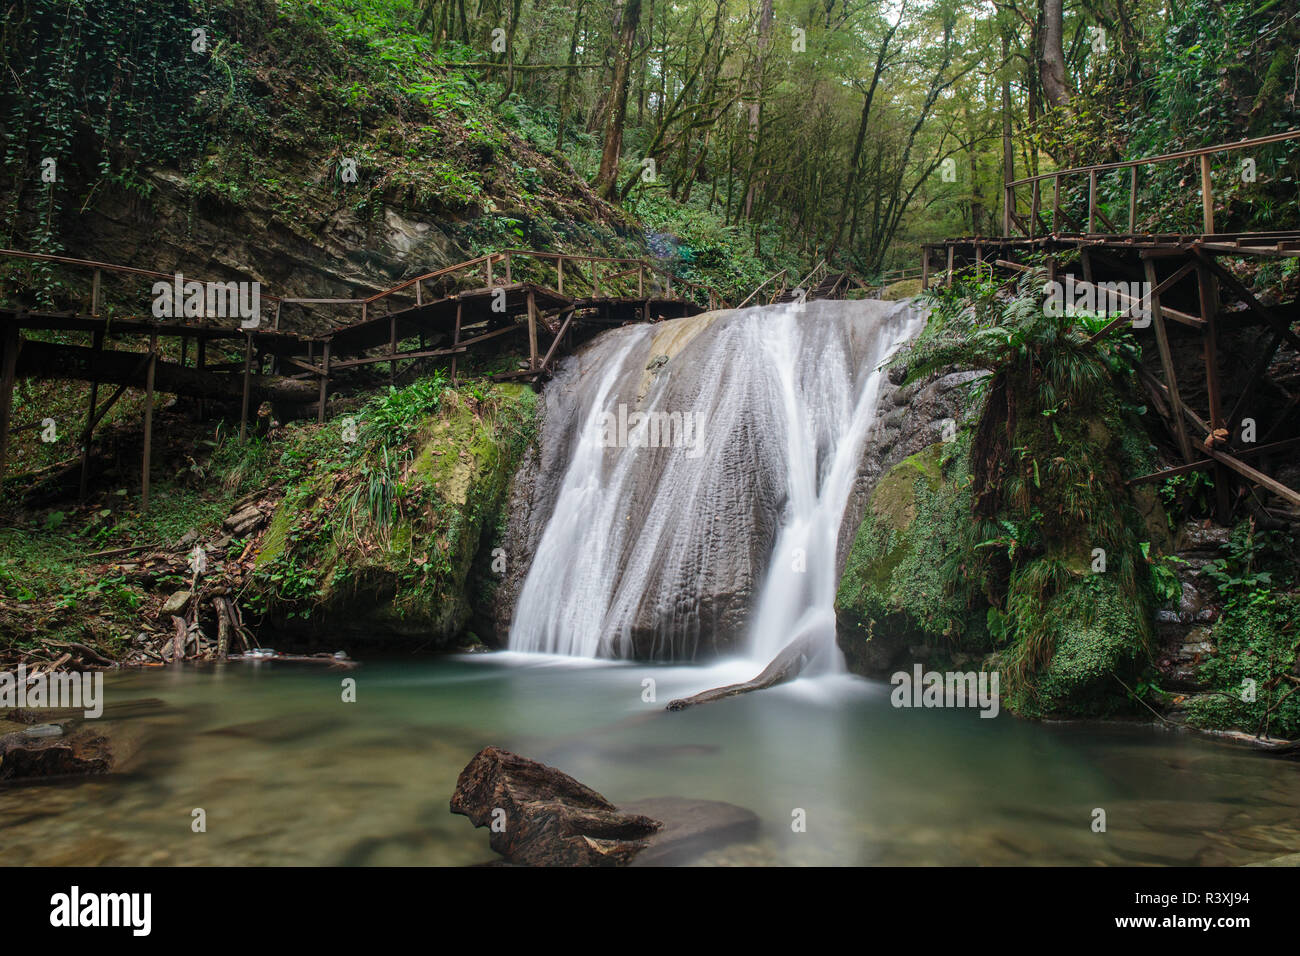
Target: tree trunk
{"points": [[607, 178], [1052, 66]]}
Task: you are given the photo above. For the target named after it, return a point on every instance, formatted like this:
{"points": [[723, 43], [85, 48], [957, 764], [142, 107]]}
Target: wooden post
{"points": [[1209, 312], [1008, 198], [532, 331], [640, 280], [324, 382], [248, 382], [148, 421], [1033, 212], [948, 281], [455, 341], [509, 278], [1133, 200], [559, 272], [392, 348], [1167, 363], [1056, 203], [94, 294], [1207, 195], [88, 432], [1085, 264], [8, 372], [487, 266], [200, 359], [925, 268], [1092, 202]]}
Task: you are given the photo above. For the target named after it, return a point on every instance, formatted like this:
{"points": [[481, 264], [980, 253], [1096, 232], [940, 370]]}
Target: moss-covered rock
{"points": [[893, 592], [381, 534]]}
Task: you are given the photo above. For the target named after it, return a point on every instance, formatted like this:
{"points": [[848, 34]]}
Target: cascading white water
{"points": [[726, 540]]}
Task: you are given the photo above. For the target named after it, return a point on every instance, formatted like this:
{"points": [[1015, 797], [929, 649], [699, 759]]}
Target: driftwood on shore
{"points": [[786, 666]]}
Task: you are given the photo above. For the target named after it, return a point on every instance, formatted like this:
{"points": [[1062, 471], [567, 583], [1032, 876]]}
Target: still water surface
{"points": [[289, 774]]}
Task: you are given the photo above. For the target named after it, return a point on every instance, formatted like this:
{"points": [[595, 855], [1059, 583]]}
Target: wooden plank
{"points": [[12, 342], [1132, 199], [248, 381], [564, 327], [1277, 322], [455, 340], [148, 422], [1092, 201], [1167, 363], [1206, 462], [392, 349], [1033, 210], [87, 433], [419, 354], [1207, 196], [324, 383], [1056, 204], [532, 329], [1209, 311], [1254, 475]]}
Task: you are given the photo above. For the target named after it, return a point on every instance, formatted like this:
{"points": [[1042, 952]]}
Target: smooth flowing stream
{"points": [[289, 774]]}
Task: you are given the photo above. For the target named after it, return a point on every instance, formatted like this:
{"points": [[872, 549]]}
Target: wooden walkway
{"points": [[511, 304], [1197, 306]]}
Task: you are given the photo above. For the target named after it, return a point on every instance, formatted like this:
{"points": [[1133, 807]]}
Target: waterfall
{"points": [[700, 470]]}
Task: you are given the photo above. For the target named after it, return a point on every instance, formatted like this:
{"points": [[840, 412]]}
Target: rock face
{"points": [[539, 816]]}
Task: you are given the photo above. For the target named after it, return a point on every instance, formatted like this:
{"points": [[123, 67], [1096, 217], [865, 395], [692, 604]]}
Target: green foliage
{"points": [[390, 520], [1258, 646], [1043, 495]]}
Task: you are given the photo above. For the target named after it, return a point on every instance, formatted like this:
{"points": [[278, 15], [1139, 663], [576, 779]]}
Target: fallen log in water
{"points": [[786, 666], [63, 750], [540, 816]]}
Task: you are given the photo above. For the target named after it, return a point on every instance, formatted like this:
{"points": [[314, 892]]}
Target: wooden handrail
{"points": [[770, 278], [1164, 157], [110, 267]]}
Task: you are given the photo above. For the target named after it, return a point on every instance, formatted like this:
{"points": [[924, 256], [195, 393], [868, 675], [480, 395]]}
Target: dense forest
{"points": [[745, 136]]}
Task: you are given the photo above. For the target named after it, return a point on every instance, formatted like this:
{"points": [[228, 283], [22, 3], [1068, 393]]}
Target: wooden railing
{"points": [[1011, 218]]}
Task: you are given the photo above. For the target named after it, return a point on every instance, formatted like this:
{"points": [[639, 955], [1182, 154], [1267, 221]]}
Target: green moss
{"points": [[389, 527], [272, 545], [895, 578]]}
